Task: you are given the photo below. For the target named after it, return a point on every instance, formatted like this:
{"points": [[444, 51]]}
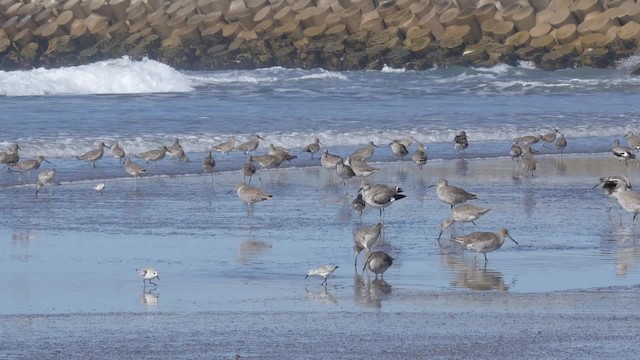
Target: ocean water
{"points": [[76, 251]]}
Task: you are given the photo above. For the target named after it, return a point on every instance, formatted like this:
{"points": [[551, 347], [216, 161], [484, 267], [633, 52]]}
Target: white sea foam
{"points": [[529, 65], [119, 76], [387, 69], [323, 74]]}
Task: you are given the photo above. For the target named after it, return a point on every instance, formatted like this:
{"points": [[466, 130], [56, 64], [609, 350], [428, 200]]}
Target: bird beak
{"points": [[595, 186], [430, 186], [440, 235], [158, 277], [377, 145], [107, 146], [46, 161], [306, 276], [229, 192], [513, 240]]}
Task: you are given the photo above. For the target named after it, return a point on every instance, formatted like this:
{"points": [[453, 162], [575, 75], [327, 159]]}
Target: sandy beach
{"points": [[231, 285]]}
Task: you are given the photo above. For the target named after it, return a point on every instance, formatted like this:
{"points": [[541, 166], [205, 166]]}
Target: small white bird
{"points": [[325, 271], [99, 187], [148, 274]]}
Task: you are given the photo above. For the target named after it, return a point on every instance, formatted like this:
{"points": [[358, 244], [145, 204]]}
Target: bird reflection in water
{"points": [[322, 296], [462, 167], [469, 276], [23, 238], [370, 293], [250, 249], [149, 298]]}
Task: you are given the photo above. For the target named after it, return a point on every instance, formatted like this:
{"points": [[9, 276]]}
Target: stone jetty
{"points": [[332, 34]]}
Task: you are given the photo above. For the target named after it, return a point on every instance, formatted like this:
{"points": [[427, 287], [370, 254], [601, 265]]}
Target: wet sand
{"points": [[230, 285]]}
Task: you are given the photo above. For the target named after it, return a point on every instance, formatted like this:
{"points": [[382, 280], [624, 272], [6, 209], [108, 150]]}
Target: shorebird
{"points": [[29, 165], [329, 161], [452, 195], [561, 143], [621, 152], [633, 141], [462, 213], [134, 169], [268, 161], [460, 141], [515, 152], [227, 146], [10, 155], [407, 141], [365, 152], [148, 274], [360, 167], [420, 156], [358, 205], [153, 155], [178, 154], [175, 148], [609, 183], [281, 153], [313, 148], [381, 196], [45, 177], [99, 188], [325, 271], [399, 150], [549, 138], [483, 242], [627, 198], [366, 237], [378, 262], [208, 163], [117, 151], [248, 170], [250, 145], [345, 173], [251, 195], [527, 140], [93, 155]]}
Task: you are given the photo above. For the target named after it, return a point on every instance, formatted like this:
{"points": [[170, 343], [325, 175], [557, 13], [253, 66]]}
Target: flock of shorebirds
{"points": [[379, 196]]}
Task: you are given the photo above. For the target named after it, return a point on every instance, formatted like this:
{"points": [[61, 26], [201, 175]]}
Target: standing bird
{"points": [[325, 271], [515, 152], [45, 177], [378, 262], [249, 169], [93, 155], [483, 242], [117, 151], [633, 141], [462, 213], [452, 195], [153, 155], [175, 148], [561, 143], [251, 195], [627, 198], [365, 152], [548, 138], [358, 205], [621, 152], [313, 148], [366, 237], [608, 184], [345, 173], [420, 156], [148, 274], [10, 155], [527, 140], [250, 145], [460, 141], [208, 163], [399, 150], [528, 162], [381, 196], [407, 141], [29, 165], [99, 188], [227, 146], [360, 167], [134, 169]]}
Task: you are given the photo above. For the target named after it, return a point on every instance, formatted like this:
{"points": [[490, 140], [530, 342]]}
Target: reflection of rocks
{"points": [[149, 298], [322, 296], [370, 293], [469, 276], [250, 249]]}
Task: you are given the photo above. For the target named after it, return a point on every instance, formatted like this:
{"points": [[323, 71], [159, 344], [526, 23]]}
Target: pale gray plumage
{"points": [[10, 155], [515, 152], [94, 155], [407, 141], [452, 195], [627, 198], [483, 241], [250, 145], [323, 271], [268, 161], [153, 155], [378, 262], [45, 177], [367, 236], [29, 165], [420, 156], [622, 152], [248, 169], [358, 204], [365, 152], [549, 138], [329, 161], [148, 274], [399, 150], [633, 141], [227, 146], [117, 151], [251, 194], [462, 213], [360, 167], [527, 140], [313, 148], [381, 196], [561, 143], [133, 169], [208, 164]]}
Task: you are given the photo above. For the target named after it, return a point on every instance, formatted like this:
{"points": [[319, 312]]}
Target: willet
{"points": [[367, 236], [45, 177], [208, 163], [365, 152], [452, 195], [250, 145], [281, 153], [381, 196], [148, 274], [118, 152], [329, 161], [633, 141], [93, 155], [515, 152], [153, 155], [29, 165], [10, 155], [627, 198], [621, 152], [325, 271], [251, 195], [268, 161], [527, 140], [549, 138], [399, 150], [248, 170], [227, 146], [345, 173], [608, 184], [360, 167], [178, 154], [134, 169], [420, 156], [99, 188], [313, 148], [174, 148], [378, 262], [407, 141], [462, 213], [561, 143], [460, 141], [483, 242], [358, 205]]}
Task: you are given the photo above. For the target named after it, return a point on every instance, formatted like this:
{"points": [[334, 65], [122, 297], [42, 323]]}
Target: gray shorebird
{"points": [[153, 155], [227, 146], [633, 141], [561, 143], [452, 195], [420, 156], [329, 161], [381, 196], [281, 153], [208, 163], [313, 148], [174, 148], [45, 177], [358, 205], [365, 152], [134, 169], [549, 138], [345, 173], [249, 169], [251, 195], [527, 140], [10, 155], [407, 141], [250, 145], [94, 155], [516, 151], [627, 198], [360, 167], [621, 152], [460, 141], [366, 237], [29, 165], [462, 213], [399, 150], [483, 241], [118, 152], [324, 271], [148, 274], [378, 262]]}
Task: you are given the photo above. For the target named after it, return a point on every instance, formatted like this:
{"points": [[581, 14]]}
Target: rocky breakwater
{"points": [[332, 34]]}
